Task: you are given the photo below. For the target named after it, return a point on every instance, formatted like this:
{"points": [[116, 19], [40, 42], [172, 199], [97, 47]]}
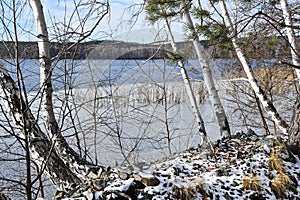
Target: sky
{"points": [[118, 24]]}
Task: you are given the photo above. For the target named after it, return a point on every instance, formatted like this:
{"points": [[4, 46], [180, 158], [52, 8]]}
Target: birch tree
{"points": [[291, 36], [294, 131], [203, 57], [50, 150], [266, 103], [158, 10], [42, 151], [70, 157], [204, 60], [188, 87]]}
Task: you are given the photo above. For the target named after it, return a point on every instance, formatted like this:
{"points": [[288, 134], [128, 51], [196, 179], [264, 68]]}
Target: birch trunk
{"points": [[266, 103], [188, 87], [294, 131], [291, 36], [41, 149], [204, 61], [78, 165]]}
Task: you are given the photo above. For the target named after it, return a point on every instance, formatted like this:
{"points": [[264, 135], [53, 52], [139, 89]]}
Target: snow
{"points": [[219, 176]]}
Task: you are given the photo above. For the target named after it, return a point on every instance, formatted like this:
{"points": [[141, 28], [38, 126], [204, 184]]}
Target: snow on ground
{"points": [[246, 166]]}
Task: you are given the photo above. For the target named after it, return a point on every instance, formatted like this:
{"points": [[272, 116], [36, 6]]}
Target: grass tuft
{"points": [[252, 182], [275, 162]]}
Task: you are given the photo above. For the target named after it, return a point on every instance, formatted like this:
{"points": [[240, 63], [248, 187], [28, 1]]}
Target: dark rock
{"points": [[257, 196], [222, 172], [224, 188], [227, 196], [147, 180], [130, 193], [239, 154]]}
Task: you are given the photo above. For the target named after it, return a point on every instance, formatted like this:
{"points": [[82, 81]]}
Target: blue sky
{"points": [[60, 17], [117, 25]]}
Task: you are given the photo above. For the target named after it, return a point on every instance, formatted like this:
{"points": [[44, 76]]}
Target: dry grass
{"points": [[252, 182], [284, 178], [185, 192], [280, 184], [276, 80], [275, 162]]}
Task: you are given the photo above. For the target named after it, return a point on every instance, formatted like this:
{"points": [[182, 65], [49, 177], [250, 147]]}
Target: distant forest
{"points": [[267, 48]]}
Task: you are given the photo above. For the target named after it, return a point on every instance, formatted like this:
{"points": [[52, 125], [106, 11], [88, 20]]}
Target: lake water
{"points": [[81, 73]]}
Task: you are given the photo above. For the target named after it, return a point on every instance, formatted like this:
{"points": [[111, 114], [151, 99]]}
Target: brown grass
{"points": [[252, 182], [275, 162]]}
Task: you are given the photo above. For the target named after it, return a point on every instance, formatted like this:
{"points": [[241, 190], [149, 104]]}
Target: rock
{"points": [[147, 180], [99, 184], [222, 175], [124, 174], [88, 194]]}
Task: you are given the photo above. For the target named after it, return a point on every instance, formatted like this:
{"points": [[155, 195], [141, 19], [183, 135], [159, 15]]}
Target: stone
{"points": [[146, 180], [88, 194]]}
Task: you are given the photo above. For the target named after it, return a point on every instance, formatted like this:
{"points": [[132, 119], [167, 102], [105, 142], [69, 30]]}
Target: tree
{"points": [[165, 10], [159, 10], [49, 149], [276, 28], [69, 156], [51, 152], [266, 103], [41, 149], [291, 36], [47, 146], [204, 60], [294, 131]]}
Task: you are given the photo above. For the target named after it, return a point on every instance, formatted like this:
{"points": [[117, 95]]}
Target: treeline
{"points": [[267, 48]]}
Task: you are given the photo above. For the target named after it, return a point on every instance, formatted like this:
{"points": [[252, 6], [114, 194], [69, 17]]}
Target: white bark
{"points": [[204, 60], [45, 67], [266, 103], [78, 165], [291, 36], [40, 147], [188, 87], [294, 131]]}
